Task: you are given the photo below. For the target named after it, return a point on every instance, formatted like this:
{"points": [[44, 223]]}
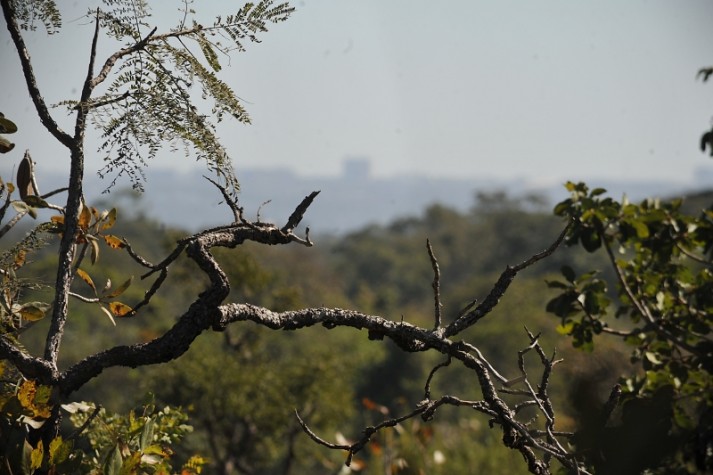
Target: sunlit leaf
{"points": [[20, 206], [108, 314], [78, 406], [113, 241], [59, 450], [565, 328], [85, 277], [85, 217], [34, 311], [653, 358], [109, 220], [119, 309], [19, 260], [26, 394], [37, 455], [35, 398], [94, 256]]}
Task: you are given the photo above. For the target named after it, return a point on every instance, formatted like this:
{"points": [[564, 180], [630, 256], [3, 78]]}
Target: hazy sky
{"points": [[541, 90]]}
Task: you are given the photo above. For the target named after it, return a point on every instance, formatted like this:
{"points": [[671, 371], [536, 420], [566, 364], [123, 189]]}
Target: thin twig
{"points": [[427, 387], [500, 287], [237, 210], [84, 426]]}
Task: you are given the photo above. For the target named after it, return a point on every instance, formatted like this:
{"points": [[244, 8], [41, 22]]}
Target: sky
{"points": [[544, 91]]}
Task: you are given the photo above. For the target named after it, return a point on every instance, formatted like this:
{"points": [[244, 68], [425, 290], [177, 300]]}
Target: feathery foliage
{"points": [[149, 98], [29, 12]]}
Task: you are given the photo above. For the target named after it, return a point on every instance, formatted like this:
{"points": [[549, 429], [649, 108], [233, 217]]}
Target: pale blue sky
{"points": [[541, 90]]}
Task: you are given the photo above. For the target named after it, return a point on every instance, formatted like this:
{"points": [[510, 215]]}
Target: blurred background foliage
{"points": [[240, 388]]}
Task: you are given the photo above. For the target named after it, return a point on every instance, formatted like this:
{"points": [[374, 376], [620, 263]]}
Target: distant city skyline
{"points": [[350, 200], [541, 91]]}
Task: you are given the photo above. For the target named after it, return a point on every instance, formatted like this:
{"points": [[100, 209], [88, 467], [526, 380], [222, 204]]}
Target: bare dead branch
{"points": [[29, 366], [88, 86], [149, 293], [10, 224], [500, 287], [111, 60], [299, 212], [136, 257], [84, 299], [436, 286], [237, 210]]}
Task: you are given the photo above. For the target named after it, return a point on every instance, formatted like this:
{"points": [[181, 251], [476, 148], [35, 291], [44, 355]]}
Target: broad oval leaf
{"points": [[109, 219], [34, 311], [85, 277], [113, 241], [7, 126], [119, 309], [24, 177], [35, 201]]}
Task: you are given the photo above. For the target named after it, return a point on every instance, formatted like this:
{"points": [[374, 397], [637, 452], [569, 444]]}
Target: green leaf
{"points": [[112, 466], [597, 191], [59, 450], [565, 328], [555, 284], [146, 435], [568, 273], [7, 126], [653, 358], [591, 241], [35, 201], [563, 305], [641, 229]]}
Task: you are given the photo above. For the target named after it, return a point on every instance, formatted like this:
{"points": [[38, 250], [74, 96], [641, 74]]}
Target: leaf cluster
{"points": [[30, 12], [663, 300]]}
